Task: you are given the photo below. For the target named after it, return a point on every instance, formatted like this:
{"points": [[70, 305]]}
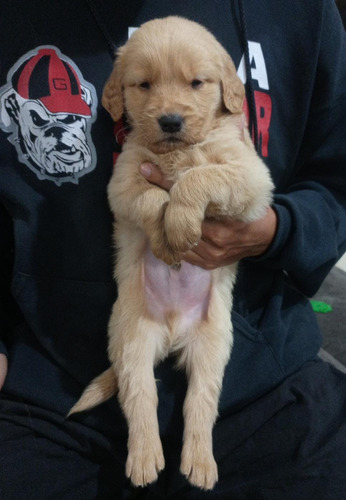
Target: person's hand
{"points": [[154, 175], [3, 369], [225, 241]]}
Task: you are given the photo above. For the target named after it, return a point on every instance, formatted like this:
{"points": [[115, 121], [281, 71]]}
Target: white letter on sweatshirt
{"points": [[258, 69]]}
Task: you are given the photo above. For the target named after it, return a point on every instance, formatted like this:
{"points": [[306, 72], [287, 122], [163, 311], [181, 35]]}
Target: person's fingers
{"points": [[154, 175], [210, 257], [3, 369]]}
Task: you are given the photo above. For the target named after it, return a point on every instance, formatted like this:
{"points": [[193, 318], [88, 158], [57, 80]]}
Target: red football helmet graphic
{"points": [[48, 108], [51, 80]]}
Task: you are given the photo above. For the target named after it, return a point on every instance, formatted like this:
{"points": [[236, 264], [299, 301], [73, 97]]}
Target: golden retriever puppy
{"points": [[183, 100]]}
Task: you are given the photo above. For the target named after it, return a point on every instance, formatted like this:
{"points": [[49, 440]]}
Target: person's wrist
{"points": [[271, 224]]}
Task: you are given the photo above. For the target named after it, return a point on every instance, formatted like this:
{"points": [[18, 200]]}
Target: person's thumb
{"points": [[3, 369], [154, 175]]}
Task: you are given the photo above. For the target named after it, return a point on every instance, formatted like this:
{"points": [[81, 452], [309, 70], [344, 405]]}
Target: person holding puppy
{"points": [[281, 428]]}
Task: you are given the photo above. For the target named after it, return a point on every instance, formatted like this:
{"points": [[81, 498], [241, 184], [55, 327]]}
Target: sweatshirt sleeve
{"points": [[311, 212]]}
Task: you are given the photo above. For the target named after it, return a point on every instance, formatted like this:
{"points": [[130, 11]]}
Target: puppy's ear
{"points": [[112, 97], [233, 91]]}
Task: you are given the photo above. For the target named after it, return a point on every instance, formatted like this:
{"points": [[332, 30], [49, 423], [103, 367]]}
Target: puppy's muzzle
{"points": [[171, 124]]}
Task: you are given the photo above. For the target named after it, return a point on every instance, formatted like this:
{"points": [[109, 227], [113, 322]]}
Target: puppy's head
{"points": [[174, 80]]}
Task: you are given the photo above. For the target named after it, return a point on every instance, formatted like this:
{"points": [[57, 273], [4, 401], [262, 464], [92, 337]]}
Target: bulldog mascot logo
{"points": [[48, 109]]}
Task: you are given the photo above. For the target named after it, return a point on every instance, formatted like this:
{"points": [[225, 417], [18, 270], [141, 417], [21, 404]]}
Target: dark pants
{"points": [[288, 445]]}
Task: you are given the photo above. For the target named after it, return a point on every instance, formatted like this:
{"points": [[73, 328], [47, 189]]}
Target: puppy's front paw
{"points": [[183, 227], [198, 466], [145, 460], [161, 250]]}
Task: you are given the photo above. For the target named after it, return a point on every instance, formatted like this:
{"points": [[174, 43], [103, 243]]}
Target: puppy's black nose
{"points": [[171, 123]]}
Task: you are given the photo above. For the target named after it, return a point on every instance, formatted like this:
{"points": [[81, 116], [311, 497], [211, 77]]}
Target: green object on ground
{"points": [[320, 307]]}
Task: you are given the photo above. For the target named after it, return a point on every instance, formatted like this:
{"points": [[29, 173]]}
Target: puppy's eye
{"points": [[145, 85], [196, 84]]}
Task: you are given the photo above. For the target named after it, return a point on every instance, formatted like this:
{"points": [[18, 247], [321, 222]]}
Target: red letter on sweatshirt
{"points": [[263, 114]]}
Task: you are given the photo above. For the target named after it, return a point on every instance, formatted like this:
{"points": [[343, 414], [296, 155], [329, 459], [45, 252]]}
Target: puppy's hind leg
{"points": [[205, 360], [134, 365]]}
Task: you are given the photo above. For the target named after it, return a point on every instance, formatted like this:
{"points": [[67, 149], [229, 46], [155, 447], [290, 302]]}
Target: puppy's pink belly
{"points": [[183, 293]]}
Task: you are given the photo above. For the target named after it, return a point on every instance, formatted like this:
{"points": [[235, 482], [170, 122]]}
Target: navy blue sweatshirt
{"points": [[57, 146]]}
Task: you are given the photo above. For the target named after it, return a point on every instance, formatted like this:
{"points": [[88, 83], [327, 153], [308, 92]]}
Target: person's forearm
{"points": [[311, 235]]}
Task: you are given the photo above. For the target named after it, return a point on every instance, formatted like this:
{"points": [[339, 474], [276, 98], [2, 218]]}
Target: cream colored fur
{"points": [[174, 66]]}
